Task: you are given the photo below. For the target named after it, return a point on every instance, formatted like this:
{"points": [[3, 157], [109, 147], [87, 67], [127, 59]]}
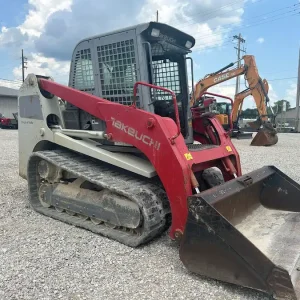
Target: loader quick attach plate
{"points": [[247, 232]]}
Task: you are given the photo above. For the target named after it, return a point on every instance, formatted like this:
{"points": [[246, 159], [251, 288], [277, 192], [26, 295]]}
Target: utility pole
{"points": [[24, 62], [239, 50], [157, 16], [298, 97]]}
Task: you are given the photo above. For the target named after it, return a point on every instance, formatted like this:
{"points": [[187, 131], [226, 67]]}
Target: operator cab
{"points": [[108, 66], [167, 49], [224, 109]]}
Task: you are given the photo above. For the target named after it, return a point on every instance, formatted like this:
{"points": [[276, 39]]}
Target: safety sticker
{"points": [[188, 156]]}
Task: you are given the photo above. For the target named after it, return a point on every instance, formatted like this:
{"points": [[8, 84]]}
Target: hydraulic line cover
{"points": [[246, 232]]}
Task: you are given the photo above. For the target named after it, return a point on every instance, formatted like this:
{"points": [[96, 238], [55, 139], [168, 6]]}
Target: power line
{"points": [[267, 20], [224, 29], [184, 24], [228, 27], [245, 28], [208, 12], [220, 8]]}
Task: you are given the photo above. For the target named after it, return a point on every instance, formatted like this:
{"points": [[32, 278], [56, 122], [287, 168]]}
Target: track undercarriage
{"points": [[79, 191]]}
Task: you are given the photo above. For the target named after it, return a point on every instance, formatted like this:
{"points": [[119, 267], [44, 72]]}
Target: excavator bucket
{"points": [[266, 136], [247, 232]]}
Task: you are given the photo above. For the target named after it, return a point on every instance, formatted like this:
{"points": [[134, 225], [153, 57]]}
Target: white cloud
{"points": [[272, 95], [12, 37], [26, 34], [290, 94], [225, 89], [10, 84], [41, 65], [39, 13], [52, 28], [260, 40], [204, 20]]}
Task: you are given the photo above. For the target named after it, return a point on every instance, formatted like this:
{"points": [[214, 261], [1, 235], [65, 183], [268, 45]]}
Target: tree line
{"points": [[252, 113]]}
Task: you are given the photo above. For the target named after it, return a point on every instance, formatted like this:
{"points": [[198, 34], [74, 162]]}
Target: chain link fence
{"points": [[285, 124]]}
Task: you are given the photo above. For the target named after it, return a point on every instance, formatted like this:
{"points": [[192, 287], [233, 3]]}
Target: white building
{"points": [[8, 101]]}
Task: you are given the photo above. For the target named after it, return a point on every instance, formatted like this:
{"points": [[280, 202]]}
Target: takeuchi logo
{"points": [[134, 133]]}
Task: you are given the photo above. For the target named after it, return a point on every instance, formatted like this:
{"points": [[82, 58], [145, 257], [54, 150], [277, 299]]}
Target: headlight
{"points": [[188, 44], [155, 32]]}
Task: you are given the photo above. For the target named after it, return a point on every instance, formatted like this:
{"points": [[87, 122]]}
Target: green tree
{"points": [[252, 113], [249, 113], [278, 106]]}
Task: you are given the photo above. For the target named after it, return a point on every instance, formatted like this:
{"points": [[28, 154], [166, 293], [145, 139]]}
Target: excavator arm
{"points": [[249, 69], [256, 87], [258, 98], [213, 79]]}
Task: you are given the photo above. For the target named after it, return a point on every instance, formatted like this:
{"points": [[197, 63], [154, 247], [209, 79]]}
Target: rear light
{"points": [[5, 121], [188, 44], [155, 32]]}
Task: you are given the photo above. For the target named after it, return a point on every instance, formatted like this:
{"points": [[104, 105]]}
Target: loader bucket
{"points": [[266, 136], [247, 232]]}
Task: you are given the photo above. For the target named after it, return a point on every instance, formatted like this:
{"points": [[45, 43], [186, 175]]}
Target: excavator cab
{"points": [[224, 109]]}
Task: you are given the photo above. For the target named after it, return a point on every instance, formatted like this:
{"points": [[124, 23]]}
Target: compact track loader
{"points": [[119, 152]]}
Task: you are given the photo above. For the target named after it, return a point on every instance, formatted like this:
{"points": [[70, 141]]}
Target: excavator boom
{"points": [[267, 134]]}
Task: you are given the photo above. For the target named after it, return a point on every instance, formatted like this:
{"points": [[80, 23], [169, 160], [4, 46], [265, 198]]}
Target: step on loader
{"points": [[120, 153]]}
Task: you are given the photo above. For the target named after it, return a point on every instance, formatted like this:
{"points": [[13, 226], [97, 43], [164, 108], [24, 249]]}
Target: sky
{"points": [[48, 30]]}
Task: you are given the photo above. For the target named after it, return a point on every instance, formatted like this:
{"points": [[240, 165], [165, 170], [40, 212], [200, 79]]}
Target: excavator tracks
{"points": [[149, 197]]}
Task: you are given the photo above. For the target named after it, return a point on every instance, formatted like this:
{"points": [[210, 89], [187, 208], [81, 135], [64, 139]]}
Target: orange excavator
{"points": [[258, 88]]}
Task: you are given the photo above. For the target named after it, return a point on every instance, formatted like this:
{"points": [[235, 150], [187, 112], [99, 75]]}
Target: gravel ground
{"points": [[41, 258]]}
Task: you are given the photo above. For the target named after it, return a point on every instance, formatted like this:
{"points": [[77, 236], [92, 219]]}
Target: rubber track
{"points": [[150, 197]]}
